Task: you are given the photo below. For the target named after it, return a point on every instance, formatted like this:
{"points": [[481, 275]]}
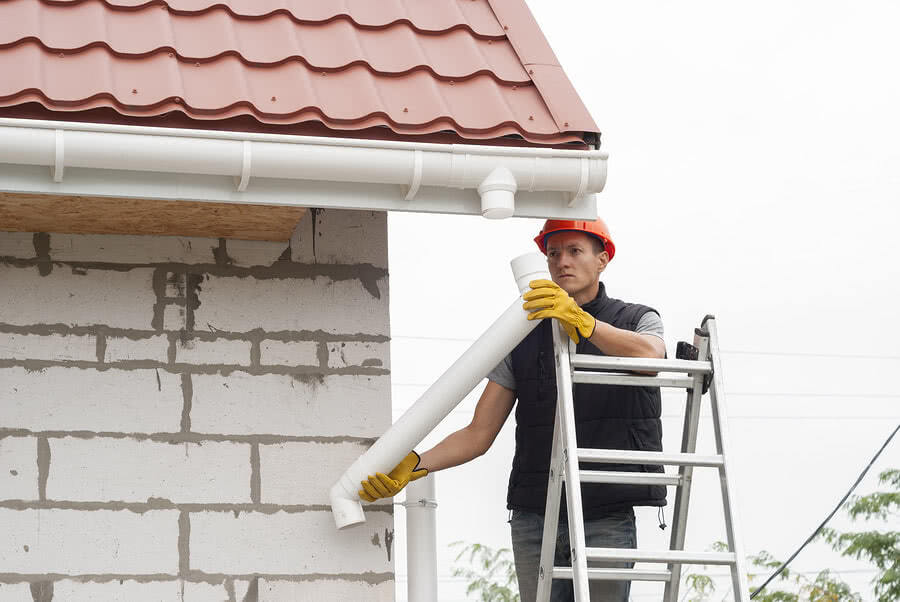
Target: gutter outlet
{"points": [[497, 193]]}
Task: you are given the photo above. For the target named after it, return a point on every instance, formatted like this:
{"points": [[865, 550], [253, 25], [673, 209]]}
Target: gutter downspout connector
{"points": [[439, 400], [498, 194]]}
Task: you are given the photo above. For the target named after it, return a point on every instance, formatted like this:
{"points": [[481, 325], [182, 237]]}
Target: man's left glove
{"points": [[547, 300], [388, 485]]}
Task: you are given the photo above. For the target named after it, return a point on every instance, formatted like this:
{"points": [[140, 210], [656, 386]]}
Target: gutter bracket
{"points": [[59, 163], [246, 163], [582, 184], [416, 176]]}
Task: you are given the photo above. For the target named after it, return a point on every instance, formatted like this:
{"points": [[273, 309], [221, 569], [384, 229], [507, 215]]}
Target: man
{"points": [[607, 416]]}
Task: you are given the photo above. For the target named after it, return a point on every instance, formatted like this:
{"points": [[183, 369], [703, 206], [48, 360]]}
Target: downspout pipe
{"points": [[439, 400], [421, 540]]}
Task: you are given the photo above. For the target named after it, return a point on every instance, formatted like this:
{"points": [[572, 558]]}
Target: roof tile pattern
{"points": [[415, 67]]}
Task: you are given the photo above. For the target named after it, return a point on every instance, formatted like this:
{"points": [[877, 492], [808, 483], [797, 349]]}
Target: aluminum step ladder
{"points": [[697, 369]]}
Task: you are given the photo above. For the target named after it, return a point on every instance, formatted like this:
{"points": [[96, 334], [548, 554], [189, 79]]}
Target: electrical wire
{"points": [[859, 356], [827, 518]]}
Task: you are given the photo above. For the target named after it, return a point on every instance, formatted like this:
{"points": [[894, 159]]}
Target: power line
{"points": [[828, 518], [865, 356]]}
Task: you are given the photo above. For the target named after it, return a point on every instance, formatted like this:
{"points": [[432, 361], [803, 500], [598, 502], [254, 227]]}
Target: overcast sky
{"points": [[754, 173]]}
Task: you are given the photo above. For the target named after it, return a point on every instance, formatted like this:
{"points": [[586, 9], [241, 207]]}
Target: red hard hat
{"points": [[596, 228]]}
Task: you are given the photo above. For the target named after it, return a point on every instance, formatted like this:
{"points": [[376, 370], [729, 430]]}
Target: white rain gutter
{"points": [[445, 394], [50, 157]]}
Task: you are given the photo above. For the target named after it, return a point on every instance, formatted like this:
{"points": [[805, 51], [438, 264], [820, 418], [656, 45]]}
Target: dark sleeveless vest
{"points": [[606, 416]]}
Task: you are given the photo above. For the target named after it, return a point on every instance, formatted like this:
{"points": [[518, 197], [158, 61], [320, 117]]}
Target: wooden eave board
{"points": [[103, 215]]}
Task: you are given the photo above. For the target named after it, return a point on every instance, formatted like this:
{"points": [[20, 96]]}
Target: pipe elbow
{"points": [[345, 506], [498, 194]]}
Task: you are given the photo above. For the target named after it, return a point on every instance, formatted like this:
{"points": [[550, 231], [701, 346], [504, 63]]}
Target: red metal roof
{"points": [[479, 69]]}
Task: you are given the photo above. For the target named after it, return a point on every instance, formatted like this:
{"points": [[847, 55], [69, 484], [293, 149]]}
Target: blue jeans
{"points": [[615, 530]]}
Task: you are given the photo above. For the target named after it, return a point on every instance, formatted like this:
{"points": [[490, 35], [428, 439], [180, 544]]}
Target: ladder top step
{"points": [[667, 556], [646, 364], [634, 380], [620, 456]]}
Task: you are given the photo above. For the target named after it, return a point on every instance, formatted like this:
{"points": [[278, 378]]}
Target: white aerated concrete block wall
{"points": [[173, 411]]}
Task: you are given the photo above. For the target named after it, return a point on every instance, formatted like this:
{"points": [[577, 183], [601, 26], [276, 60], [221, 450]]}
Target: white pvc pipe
{"points": [[445, 394], [246, 156], [421, 540]]}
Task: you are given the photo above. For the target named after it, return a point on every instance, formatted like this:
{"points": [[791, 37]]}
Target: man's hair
{"points": [[598, 245]]}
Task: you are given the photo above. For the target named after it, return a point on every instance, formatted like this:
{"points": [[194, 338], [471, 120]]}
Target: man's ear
{"points": [[602, 260]]}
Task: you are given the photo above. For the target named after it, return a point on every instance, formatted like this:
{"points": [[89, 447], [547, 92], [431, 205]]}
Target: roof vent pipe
{"points": [[441, 397], [498, 194]]}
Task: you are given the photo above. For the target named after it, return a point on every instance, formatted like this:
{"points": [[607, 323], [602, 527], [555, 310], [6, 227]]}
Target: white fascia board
{"points": [[65, 158]]}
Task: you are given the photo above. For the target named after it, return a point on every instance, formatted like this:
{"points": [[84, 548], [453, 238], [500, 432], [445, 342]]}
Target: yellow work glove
{"points": [[388, 485], [547, 300]]}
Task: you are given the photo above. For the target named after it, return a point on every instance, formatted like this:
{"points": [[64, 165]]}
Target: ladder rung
{"points": [[628, 478], [635, 380], [620, 456], [646, 364], [667, 556], [563, 572]]}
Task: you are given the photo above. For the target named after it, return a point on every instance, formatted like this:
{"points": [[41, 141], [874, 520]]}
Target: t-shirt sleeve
{"points": [[650, 323], [502, 374]]}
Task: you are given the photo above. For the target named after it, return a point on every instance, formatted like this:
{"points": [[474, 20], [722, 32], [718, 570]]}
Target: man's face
{"points": [[574, 265]]}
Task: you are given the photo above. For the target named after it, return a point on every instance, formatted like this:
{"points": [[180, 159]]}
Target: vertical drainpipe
{"points": [[421, 540]]}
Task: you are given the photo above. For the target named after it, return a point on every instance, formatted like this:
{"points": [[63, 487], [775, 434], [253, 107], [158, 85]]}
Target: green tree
{"points": [[490, 573], [881, 548]]}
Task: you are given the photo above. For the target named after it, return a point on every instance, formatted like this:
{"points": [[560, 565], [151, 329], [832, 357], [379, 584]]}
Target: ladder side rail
{"points": [[720, 422], [566, 405], [551, 513], [686, 472]]}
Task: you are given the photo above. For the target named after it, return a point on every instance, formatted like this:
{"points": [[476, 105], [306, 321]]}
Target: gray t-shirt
{"points": [[650, 323]]}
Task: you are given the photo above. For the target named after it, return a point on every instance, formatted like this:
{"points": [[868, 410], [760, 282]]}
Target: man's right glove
{"points": [[388, 485]]}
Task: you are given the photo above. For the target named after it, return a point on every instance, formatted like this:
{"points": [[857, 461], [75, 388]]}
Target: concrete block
{"points": [[301, 472], [118, 591], [192, 591], [82, 298], [288, 353], [289, 543], [219, 352], [55, 347], [242, 304], [89, 542], [72, 399], [247, 253], [348, 354], [15, 592], [114, 248], [105, 469], [333, 405], [325, 589], [153, 348], [341, 237], [18, 245], [18, 468]]}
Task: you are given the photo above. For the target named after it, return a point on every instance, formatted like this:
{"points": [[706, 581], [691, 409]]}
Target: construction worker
{"points": [[607, 416]]}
